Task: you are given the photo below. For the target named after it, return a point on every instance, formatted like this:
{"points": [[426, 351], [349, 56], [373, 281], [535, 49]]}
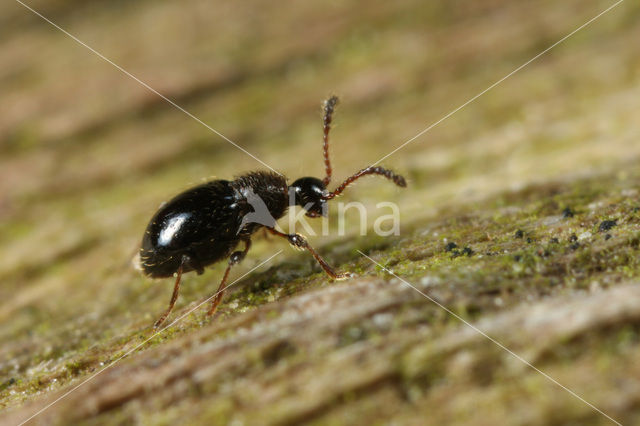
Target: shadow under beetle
{"points": [[204, 224]]}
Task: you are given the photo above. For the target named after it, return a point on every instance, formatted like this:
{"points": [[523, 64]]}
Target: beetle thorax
{"points": [[264, 192]]}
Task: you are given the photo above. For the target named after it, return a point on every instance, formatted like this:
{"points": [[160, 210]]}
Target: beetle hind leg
{"points": [[176, 291]]}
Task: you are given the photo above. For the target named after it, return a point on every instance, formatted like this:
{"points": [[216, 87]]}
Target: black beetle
{"points": [[204, 225]]}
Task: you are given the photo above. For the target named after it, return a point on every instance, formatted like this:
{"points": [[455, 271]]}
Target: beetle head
{"points": [[309, 193]]}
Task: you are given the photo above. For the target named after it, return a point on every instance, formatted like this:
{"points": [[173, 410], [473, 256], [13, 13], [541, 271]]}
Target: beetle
{"points": [[205, 224]]}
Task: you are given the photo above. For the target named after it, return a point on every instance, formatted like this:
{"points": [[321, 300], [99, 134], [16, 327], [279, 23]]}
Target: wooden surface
{"points": [[87, 155]]}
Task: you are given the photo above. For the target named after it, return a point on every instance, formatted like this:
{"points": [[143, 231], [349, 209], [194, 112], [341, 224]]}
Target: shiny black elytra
{"points": [[204, 225]]}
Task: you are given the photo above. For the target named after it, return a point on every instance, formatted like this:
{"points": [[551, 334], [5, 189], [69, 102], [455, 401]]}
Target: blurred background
{"points": [[87, 154]]}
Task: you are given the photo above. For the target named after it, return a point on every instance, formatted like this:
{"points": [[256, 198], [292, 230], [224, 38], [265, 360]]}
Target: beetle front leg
{"points": [[300, 242]]}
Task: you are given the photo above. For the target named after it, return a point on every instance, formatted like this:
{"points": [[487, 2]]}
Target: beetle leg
{"points": [[174, 296], [235, 258], [300, 242]]}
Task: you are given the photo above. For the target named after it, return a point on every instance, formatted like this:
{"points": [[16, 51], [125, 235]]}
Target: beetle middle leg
{"points": [[235, 258], [300, 242]]}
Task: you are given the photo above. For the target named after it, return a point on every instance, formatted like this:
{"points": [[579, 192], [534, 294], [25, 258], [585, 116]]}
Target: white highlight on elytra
{"points": [[168, 232]]}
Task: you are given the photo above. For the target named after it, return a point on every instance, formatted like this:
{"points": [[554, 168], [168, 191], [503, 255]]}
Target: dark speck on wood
{"points": [[451, 246], [606, 225]]}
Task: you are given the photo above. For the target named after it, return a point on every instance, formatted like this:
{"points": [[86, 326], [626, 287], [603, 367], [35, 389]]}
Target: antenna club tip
{"points": [[331, 102], [400, 181]]}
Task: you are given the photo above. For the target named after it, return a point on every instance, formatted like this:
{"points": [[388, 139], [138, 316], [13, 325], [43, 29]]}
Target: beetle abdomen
{"points": [[201, 223]]}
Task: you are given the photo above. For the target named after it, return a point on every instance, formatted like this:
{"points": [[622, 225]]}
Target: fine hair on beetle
{"points": [[205, 224]]}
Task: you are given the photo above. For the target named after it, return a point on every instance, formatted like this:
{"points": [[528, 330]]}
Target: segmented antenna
{"points": [[371, 170], [329, 106]]}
